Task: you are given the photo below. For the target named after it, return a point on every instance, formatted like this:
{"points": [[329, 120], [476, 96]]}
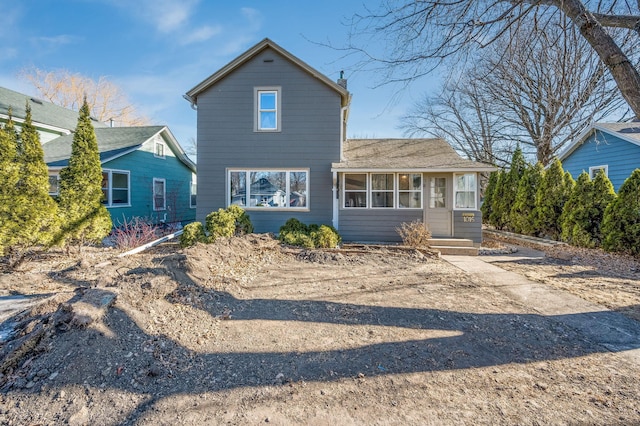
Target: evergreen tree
{"points": [[523, 211], [621, 223], [576, 219], [550, 198], [603, 195], [509, 187], [84, 216], [9, 178], [36, 212], [496, 216], [487, 203]]}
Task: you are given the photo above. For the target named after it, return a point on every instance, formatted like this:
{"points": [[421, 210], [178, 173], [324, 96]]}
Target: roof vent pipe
{"points": [[342, 81]]}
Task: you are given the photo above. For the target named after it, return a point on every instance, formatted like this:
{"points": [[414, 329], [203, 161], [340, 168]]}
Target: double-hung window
{"points": [[410, 190], [464, 191], [593, 171], [267, 105], [257, 189], [116, 188], [158, 149], [159, 194], [355, 190]]}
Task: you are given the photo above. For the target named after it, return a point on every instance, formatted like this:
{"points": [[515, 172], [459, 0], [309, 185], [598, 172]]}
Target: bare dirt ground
{"points": [[247, 332]]}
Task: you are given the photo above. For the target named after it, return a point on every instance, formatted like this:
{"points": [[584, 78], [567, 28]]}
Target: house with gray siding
{"points": [[272, 139], [613, 148]]}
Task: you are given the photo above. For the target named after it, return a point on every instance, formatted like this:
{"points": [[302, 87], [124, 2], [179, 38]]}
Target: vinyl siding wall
{"points": [[144, 167], [600, 149], [309, 137], [374, 225]]}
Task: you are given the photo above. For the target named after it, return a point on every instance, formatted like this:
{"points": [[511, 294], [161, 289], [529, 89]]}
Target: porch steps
{"points": [[454, 246]]}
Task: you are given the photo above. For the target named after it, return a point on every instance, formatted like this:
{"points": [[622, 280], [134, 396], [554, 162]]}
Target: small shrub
{"points": [[134, 233], [192, 234], [220, 224], [414, 234], [242, 221], [296, 233]]}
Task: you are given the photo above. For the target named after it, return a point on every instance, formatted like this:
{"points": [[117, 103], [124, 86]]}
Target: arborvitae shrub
{"points": [[9, 177], [496, 216], [523, 210], [621, 223], [576, 219], [192, 234], [487, 202], [510, 187], [550, 198], [603, 195]]}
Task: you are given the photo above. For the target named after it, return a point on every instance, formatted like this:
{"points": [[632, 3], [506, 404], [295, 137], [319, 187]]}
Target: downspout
{"points": [[335, 221], [192, 101], [342, 135]]}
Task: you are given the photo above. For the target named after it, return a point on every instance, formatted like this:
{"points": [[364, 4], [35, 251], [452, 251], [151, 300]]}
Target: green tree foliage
{"points": [[523, 211], [510, 187], [9, 177], [228, 222], [35, 214], [495, 210], [603, 195], [487, 203], [85, 218], [550, 199], [621, 222], [576, 215], [192, 234], [296, 233]]}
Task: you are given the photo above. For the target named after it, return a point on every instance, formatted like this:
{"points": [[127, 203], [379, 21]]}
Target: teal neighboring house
{"points": [[613, 148], [145, 171]]}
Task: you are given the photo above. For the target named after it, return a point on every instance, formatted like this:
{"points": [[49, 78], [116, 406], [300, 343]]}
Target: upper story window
{"points": [[158, 149], [464, 191], [116, 188], [593, 171], [267, 104]]}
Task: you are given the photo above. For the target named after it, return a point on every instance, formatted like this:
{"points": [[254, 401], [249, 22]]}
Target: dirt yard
{"points": [[247, 332]]}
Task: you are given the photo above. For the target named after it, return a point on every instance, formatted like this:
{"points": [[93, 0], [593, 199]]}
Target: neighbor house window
{"points": [[267, 104], [192, 192], [54, 184], [593, 171], [355, 190], [464, 191], [115, 188], [282, 189], [159, 194], [382, 190], [158, 149], [410, 190]]}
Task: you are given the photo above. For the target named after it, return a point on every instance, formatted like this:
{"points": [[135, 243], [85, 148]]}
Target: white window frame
{"points": [[109, 201], [164, 194], [159, 144], [287, 172], [368, 191], [57, 176], [474, 190], [386, 191], [594, 170], [193, 192], [257, 127]]}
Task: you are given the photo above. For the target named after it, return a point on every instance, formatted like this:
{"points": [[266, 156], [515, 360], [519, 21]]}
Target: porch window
{"points": [[437, 192], [116, 188], [159, 194], [382, 190], [464, 191], [283, 189], [355, 190], [410, 190]]}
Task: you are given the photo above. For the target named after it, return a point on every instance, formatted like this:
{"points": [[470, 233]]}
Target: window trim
{"points": [[57, 176], [475, 192], [156, 144], [164, 195], [109, 173], [595, 169], [256, 107], [287, 171], [192, 193], [393, 190], [368, 191]]}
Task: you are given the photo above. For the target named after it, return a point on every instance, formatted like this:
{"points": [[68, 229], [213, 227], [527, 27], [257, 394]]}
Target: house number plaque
{"points": [[468, 217]]}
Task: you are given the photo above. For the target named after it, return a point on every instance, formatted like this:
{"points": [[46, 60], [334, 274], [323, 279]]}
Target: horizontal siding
{"points": [[309, 136], [468, 230], [370, 225], [621, 157]]}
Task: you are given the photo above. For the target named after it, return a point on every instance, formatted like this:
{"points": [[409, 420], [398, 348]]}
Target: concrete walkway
{"points": [[599, 325]]}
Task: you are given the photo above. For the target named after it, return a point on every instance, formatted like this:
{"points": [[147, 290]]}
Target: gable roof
{"points": [[57, 118], [629, 132], [114, 142], [192, 95], [420, 155]]}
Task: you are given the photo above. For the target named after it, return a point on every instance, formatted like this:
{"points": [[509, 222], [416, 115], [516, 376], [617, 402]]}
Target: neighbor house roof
{"points": [[192, 95], [421, 155], [55, 117], [113, 142], [629, 132]]}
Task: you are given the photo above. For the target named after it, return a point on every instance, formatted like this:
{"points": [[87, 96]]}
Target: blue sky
{"points": [[157, 50]]}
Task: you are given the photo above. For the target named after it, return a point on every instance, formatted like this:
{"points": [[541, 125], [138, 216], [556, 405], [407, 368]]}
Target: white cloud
{"points": [[53, 42], [200, 34], [165, 15]]}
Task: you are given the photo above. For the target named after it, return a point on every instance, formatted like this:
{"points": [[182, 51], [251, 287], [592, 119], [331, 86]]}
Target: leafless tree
{"points": [[107, 100], [417, 35], [540, 86]]}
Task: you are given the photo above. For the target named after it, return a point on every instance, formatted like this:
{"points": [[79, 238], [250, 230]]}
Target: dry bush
{"points": [[134, 233], [414, 234]]}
